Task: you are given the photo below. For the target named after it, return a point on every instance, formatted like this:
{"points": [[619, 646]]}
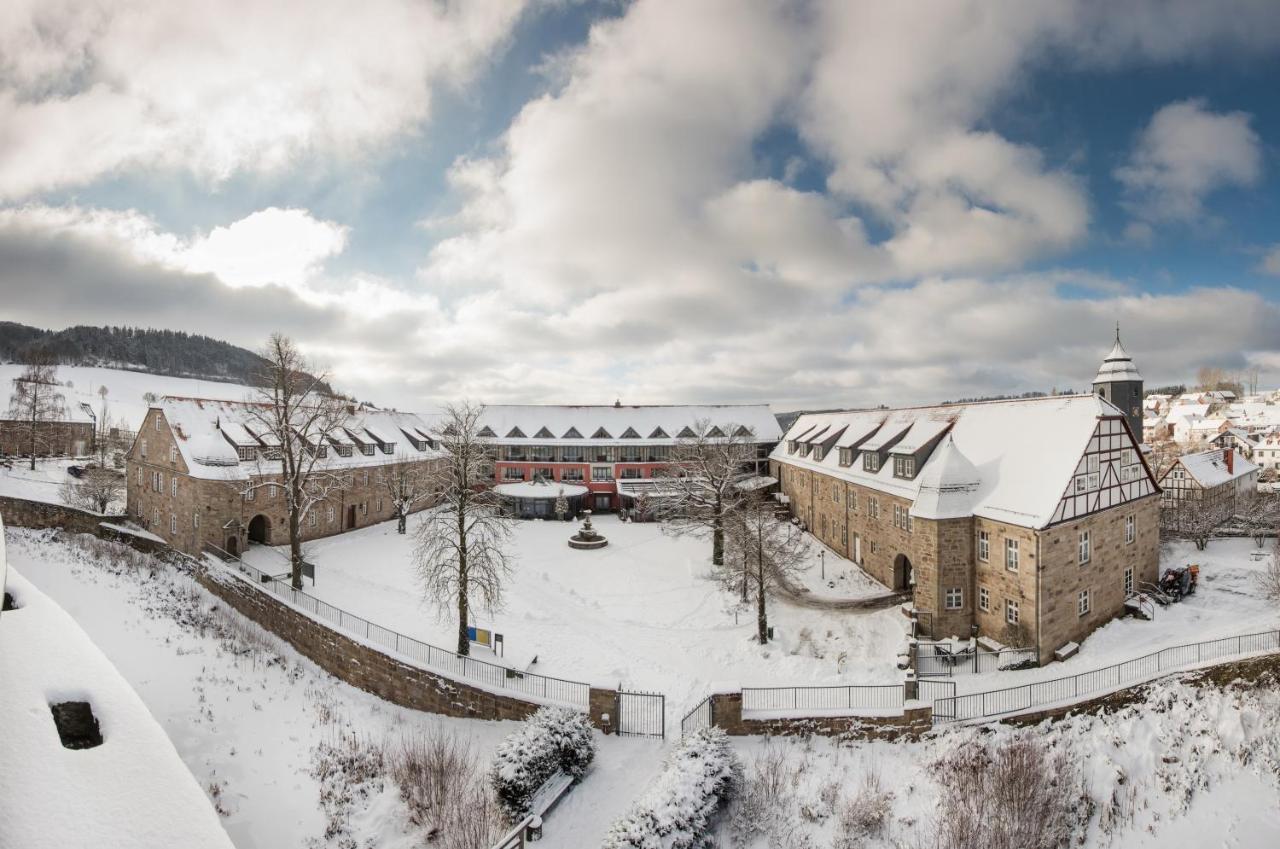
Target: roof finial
{"points": [[1117, 332]]}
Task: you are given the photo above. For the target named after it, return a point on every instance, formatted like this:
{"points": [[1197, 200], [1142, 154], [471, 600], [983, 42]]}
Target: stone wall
{"points": [[915, 719], [21, 513], [378, 673]]}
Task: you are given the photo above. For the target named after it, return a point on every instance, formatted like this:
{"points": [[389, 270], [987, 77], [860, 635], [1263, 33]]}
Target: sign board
{"points": [[485, 637]]}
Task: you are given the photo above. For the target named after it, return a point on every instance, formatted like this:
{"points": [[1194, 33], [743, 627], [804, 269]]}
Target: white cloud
{"points": [[1271, 260], [217, 88], [1186, 153]]}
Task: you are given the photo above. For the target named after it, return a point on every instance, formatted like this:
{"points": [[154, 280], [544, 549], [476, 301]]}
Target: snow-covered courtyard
{"points": [[642, 612]]}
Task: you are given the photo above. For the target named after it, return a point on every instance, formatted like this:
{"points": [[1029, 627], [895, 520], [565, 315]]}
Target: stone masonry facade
{"points": [[62, 439], [1031, 598], [192, 512]]}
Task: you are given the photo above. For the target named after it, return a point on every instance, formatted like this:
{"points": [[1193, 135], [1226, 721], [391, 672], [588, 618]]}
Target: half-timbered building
{"points": [[1212, 482], [1028, 522]]}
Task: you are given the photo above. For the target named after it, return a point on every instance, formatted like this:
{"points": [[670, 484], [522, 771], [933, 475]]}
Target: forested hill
{"points": [[167, 352]]}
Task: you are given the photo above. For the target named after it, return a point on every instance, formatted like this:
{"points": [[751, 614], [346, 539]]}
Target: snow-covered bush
{"points": [[677, 809], [554, 738], [865, 815]]}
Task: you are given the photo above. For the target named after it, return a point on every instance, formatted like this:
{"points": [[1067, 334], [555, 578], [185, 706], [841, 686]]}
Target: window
{"points": [[512, 473], [155, 517], [819, 452], [245, 452], [195, 519], [311, 518], [873, 546], [271, 491], [173, 486], [955, 598], [1011, 554], [1011, 611], [846, 456], [1082, 603], [853, 502], [139, 476], [1082, 484], [984, 598], [173, 454], [571, 475], [601, 473], [173, 523], [1128, 581], [630, 474], [1130, 529], [1085, 548], [984, 546], [791, 446], [871, 461], [251, 494], [157, 424], [897, 516], [547, 473], [904, 467], [143, 449], [873, 507], [835, 493], [571, 454], [329, 514]]}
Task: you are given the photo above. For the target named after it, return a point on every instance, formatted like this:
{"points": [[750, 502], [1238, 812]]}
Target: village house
{"points": [[606, 456], [203, 473], [1209, 482]]}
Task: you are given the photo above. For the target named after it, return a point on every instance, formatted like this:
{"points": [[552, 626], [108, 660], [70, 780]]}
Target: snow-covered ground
{"points": [[1188, 767], [125, 389], [1226, 604], [248, 715], [829, 576], [43, 484], [641, 612]]}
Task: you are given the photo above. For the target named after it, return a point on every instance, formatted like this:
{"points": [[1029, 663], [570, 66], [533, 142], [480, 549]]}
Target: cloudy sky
{"points": [[808, 203]]}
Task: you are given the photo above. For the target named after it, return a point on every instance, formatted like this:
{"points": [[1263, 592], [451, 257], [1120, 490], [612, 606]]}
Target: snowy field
{"points": [[125, 389], [641, 612], [1186, 768], [45, 483], [249, 716], [1226, 604]]}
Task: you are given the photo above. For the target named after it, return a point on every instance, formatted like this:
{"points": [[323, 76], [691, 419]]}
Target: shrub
{"points": [[865, 815], [676, 811], [554, 738]]}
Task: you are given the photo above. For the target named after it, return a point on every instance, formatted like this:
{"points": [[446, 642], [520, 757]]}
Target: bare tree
{"points": [[1261, 515], [705, 470], [407, 483], [770, 550], [460, 544], [36, 404], [298, 416], [1269, 578], [1194, 520], [96, 489]]}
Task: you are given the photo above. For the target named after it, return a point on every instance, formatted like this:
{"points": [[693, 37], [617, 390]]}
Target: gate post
{"points": [[910, 687], [617, 710]]}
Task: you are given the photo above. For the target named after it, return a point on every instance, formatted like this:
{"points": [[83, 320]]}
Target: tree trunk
{"points": [[400, 521], [464, 640], [717, 537], [295, 547], [762, 619], [33, 444]]}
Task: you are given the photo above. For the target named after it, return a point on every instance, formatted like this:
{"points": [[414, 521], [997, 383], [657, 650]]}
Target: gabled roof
{"points": [[543, 433], [1209, 468], [659, 424], [1025, 453], [922, 432]]}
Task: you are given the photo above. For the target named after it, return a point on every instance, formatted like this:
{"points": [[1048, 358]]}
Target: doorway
{"points": [[857, 549], [259, 529], [903, 574], [233, 546], [603, 503], [351, 516]]}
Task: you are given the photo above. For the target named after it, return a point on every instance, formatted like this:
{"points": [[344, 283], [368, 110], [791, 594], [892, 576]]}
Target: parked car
{"points": [[75, 471]]}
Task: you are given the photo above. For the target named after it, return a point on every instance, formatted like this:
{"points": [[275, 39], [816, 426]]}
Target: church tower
{"points": [[1119, 382]]}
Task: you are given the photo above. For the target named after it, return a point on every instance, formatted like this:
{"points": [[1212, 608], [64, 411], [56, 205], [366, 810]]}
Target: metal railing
{"points": [[1099, 681], [838, 697], [696, 719], [434, 658], [940, 659]]}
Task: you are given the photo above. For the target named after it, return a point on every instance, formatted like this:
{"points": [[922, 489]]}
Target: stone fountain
{"points": [[586, 537]]}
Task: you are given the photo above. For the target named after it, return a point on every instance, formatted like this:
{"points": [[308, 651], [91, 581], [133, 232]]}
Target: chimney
{"points": [[1229, 455]]}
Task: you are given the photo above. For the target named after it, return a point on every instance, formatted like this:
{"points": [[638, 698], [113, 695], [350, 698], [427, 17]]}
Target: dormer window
{"points": [[791, 447], [572, 433], [846, 456], [367, 449], [630, 433], [818, 453], [715, 432], [515, 433], [658, 433], [244, 452], [486, 431], [601, 433], [344, 450], [544, 433], [388, 448], [904, 467], [871, 462], [687, 433], [804, 449]]}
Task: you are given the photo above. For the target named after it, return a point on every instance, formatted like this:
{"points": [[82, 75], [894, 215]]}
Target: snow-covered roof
{"points": [[1209, 468], [659, 424], [1186, 411], [539, 489], [199, 425], [922, 432], [132, 790], [1025, 453], [948, 485], [1117, 365]]}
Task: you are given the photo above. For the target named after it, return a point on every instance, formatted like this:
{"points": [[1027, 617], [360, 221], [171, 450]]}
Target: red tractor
{"points": [[1179, 582]]}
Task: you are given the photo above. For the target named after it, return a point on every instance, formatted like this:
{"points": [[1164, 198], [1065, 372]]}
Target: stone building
{"points": [[1026, 522], [201, 473], [71, 435]]}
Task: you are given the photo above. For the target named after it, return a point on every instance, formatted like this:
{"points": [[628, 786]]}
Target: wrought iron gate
{"points": [[943, 696], [642, 714]]}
